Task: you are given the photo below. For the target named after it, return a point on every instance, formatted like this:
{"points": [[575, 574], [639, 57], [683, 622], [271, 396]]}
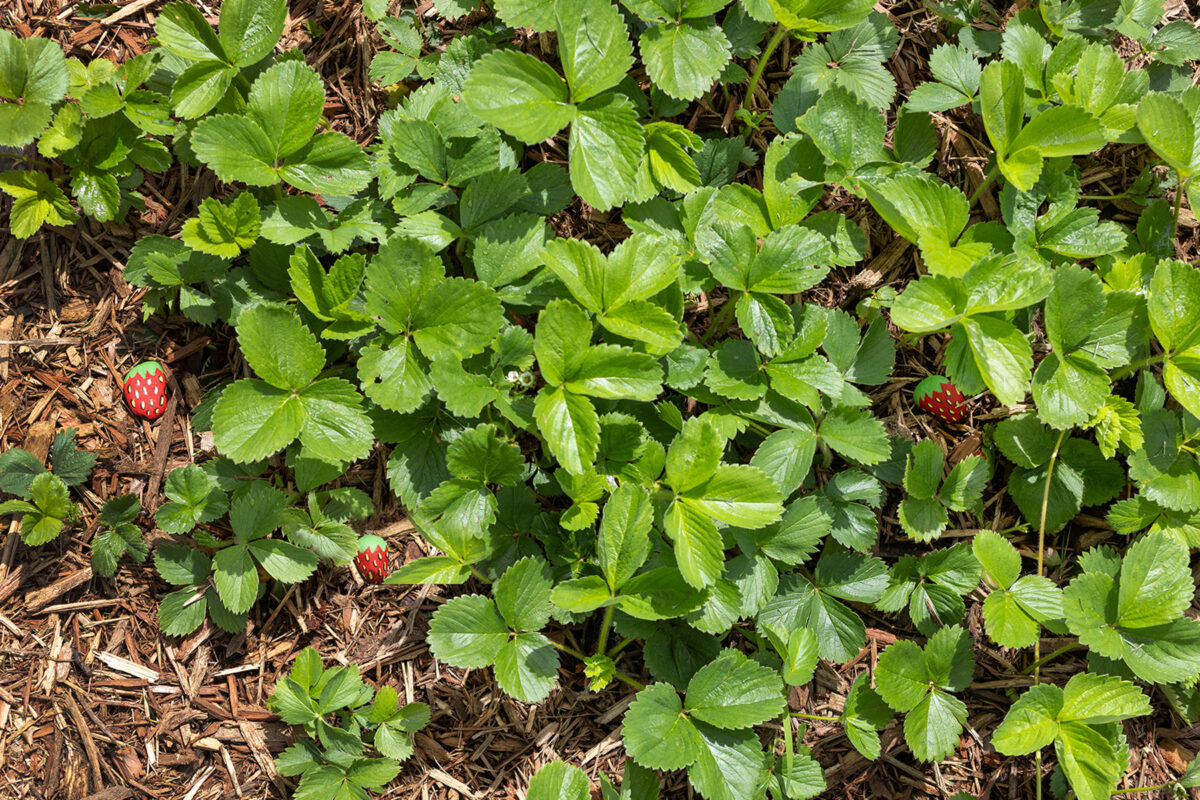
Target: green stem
{"points": [[987, 181], [621, 676], [762, 65], [605, 624], [618, 648], [1180, 186], [1037, 645], [478, 574], [788, 754], [721, 324], [1133, 789], [1060, 651], [818, 717], [1129, 369]]}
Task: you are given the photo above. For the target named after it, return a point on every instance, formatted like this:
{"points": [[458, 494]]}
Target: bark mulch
{"points": [[95, 703]]}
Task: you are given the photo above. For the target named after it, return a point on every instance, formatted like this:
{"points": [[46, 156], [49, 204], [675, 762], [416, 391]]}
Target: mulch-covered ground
{"points": [[95, 703]]}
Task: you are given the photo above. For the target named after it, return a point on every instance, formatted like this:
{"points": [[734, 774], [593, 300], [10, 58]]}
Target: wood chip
{"points": [[127, 667]]}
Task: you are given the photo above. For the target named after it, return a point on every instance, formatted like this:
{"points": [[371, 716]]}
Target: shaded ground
{"points": [[95, 703]]}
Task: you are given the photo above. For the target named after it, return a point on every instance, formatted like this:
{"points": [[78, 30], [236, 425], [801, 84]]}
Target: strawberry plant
{"points": [[674, 453], [341, 716], [118, 535], [45, 498]]}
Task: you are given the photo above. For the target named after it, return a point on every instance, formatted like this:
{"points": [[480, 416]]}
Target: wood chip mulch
{"points": [[95, 704]]}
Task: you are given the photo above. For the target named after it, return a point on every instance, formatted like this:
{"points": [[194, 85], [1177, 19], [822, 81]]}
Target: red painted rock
{"points": [[940, 397], [146, 390], [372, 558]]}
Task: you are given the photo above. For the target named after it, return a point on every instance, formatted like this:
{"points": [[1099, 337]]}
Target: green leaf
{"points": [[527, 667], [1069, 390], [53, 505], [606, 145], [178, 615], [537, 15], [855, 434], [287, 101], [819, 16], [738, 495], [570, 426], [523, 594], [17, 469], [684, 59], [33, 76], [934, 727], [236, 149], [1169, 130], [1172, 301], [901, 677], [965, 483], [67, 461], [467, 632], [433, 569], [284, 561], [181, 566], [1099, 699], [624, 541], [999, 558], [236, 576], [558, 781], [200, 87], [38, 201], [194, 498], [182, 30], [1156, 584], [581, 595], [924, 469], [734, 692], [1002, 355], [1031, 723], [519, 94], [1086, 757], [730, 763], [330, 163], [612, 372], [249, 29], [593, 44], [698, 548], [223, 230], [847, 131], [658, 734], [278, 347]]}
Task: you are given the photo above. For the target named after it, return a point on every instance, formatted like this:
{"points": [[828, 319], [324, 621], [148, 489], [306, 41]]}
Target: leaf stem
{"points": [[1133, 789], [605, 624], [788, 753], [1045, 659], [619, 647], [762, 64], [1129, 369], [1037, 645], [621, 676], [478, 574], [1180, 188], [818, 717], [987, 181]]}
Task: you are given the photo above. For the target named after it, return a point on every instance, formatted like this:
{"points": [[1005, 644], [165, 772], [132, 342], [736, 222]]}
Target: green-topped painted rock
{"points": [[372, 558], [146, 390], [937, 395]]}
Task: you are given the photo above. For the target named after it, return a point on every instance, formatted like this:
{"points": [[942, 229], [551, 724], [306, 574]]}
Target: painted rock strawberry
{"points": [[372, 558], [146, 390], [940, 397]]}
